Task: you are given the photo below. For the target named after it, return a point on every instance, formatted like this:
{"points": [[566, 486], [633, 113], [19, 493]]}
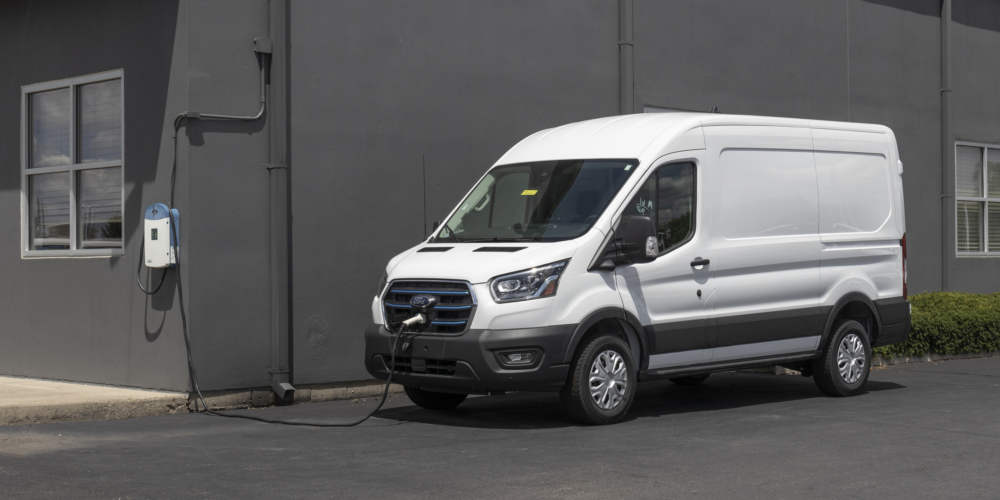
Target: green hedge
{"points": [[950, 323]]}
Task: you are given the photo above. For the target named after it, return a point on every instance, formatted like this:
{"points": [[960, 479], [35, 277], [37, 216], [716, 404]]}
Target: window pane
{"points": [[48, 201], [99, 208], [993, 172], [510, 206], [994, 229], [970, 226], [50, 128], [642, 203], [969, 171], [101, 121], [675, 204]]}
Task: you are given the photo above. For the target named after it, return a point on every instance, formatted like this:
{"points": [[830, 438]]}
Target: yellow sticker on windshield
{"points": [[529, 192]]}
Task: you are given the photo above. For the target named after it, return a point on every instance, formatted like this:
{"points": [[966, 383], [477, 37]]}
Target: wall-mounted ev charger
{"points": [[160, 240]]}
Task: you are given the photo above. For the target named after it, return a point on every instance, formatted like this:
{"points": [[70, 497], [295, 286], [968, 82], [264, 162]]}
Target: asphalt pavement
{"points": [[924, 430]]}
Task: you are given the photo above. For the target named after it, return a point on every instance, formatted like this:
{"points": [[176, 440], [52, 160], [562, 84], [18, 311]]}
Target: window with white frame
{"points": [[977, 198], [71, 166]]}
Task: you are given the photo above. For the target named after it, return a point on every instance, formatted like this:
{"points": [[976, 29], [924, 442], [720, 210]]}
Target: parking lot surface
{"points": [[924, 430]]}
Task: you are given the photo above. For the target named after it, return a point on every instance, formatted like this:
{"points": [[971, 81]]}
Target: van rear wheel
{"points": [[843, 370], [434, 400], [602, 381]]}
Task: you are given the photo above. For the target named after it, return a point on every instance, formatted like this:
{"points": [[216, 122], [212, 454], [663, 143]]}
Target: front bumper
{"points": [[469, 362]]}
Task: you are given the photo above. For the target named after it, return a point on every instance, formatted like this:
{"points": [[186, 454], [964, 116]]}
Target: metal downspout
{"points": [[947, 153], [626, 73], [278, 173]]}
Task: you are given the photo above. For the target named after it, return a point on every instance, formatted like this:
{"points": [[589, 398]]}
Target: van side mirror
{"points": [[639, 242], [633, 242], [436, 224]]}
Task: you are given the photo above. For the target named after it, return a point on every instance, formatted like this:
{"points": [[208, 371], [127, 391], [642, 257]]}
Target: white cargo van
{"points": [[600, 254]]}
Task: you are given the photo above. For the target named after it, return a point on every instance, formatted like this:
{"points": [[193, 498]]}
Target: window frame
{"points": [[985, 200], [655, 171], [72, 168]]}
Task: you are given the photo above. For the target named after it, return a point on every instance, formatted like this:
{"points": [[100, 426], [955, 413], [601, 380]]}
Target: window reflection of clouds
{"points": [[50, 115], [49, 206], [100, 121]]}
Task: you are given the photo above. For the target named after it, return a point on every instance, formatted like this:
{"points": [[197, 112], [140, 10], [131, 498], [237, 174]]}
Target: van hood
{"points": [[476, 262]]}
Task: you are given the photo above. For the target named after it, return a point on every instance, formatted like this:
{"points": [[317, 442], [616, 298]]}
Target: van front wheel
{"points": [[843, 369], [602, 381]]}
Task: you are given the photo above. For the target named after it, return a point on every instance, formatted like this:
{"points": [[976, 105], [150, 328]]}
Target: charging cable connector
{"points": [[416, 320]]}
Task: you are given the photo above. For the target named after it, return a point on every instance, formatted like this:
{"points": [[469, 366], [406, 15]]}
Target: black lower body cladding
{"points": [[471, 362], [894, 316]]}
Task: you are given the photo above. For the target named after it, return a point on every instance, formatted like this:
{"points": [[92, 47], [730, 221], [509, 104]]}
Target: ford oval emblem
{"points": [[421, 300]]}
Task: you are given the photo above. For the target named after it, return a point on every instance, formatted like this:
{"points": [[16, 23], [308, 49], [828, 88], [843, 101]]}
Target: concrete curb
{"points": [[107, 403], [260, 397], [98, 410]]}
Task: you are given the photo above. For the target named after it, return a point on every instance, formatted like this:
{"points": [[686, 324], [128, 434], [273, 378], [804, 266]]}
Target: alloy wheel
{"points": [[851, 358], [608, 380]]}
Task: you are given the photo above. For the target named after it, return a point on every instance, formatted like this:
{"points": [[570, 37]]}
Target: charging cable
{"points": [[138, 270], [418, 319]]}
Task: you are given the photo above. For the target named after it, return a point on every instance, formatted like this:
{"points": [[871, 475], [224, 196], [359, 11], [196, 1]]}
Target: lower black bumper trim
{"points": [[476, 367]]}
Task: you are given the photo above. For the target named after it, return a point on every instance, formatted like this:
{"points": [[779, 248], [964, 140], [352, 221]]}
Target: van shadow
{"points": [[722, 391]]}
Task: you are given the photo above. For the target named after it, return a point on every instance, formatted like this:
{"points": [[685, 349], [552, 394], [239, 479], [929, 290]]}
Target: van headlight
{"points": [[530, 284]]}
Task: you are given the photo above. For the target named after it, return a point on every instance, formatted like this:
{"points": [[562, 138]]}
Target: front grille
{"points": [[426, 366], [452, 314]]}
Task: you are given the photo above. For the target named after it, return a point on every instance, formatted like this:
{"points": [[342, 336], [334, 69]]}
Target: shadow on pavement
{"points": [[722, 391]]}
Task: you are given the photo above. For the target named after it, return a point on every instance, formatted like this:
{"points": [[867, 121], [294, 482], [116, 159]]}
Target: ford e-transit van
{"points": [[601, 254]]}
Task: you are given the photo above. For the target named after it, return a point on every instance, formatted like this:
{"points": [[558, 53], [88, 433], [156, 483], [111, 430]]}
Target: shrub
{"points": [[950, 323]]}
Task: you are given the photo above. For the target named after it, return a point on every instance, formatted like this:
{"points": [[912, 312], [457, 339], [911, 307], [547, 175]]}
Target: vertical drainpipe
{"points": [[278, 174], [947, 152], [626, 77]]}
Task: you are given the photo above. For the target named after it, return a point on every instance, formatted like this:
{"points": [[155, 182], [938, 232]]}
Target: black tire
{"points": [[576, 395], [434, 400], [827, 370], [690, 379]]}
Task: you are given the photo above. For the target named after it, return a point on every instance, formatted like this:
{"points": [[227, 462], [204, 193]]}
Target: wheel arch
{"points": [[627, 323], [853, 305]]}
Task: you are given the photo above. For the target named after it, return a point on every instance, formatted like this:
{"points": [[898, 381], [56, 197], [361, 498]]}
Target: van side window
{"points": [[667, 197], [675, 205]]}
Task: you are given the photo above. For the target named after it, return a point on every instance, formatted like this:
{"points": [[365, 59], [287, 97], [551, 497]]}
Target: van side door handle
{"points": [[703, 262]]}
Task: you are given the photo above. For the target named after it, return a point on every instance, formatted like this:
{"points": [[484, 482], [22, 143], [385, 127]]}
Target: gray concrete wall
{"points": [[227, 261], [976, 67], [83, 318]]}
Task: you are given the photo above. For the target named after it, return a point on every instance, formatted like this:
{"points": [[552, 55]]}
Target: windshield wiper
{"points": [[530, 238], [498, 240]]}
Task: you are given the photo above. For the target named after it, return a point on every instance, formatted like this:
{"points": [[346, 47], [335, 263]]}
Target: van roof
{"points": [[629, 136]]}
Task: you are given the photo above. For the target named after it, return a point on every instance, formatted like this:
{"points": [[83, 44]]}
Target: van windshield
{"points": [[540, 201]]}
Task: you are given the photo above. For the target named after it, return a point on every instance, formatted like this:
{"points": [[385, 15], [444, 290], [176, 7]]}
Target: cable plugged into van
{"points": [[604, 253]]}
